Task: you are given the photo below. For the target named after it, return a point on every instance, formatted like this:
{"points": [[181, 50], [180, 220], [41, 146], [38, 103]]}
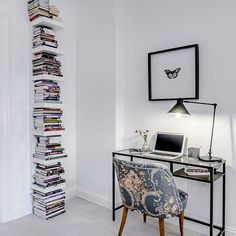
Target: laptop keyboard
{"points": [[163, 154]]}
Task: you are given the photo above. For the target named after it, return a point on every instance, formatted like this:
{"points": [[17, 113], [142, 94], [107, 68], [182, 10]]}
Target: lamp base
{"points": [[210, 159]]}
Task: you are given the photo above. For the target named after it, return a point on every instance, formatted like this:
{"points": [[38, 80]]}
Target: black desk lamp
{"points": [[180, 109]]}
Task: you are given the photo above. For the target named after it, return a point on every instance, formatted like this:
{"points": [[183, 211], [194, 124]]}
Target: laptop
{"points": [[168, 146]]}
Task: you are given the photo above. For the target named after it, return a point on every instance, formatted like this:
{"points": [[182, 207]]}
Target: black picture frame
{"points": [[195, 63]]}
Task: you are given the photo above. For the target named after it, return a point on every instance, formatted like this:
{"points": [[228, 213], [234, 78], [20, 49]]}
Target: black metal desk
{"points": [[215, 174]]}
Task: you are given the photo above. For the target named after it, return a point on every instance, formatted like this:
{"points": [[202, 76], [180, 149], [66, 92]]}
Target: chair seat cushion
{"points": [[183, 198]]}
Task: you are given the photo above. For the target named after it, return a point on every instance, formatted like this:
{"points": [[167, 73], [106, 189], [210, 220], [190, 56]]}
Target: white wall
{"points": [[95, 99], [19, 177], [4, 112], [67, 40], [102, 103], [144, 26]]}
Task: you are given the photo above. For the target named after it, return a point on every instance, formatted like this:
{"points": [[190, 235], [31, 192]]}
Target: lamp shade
{"points": [[179, 108]]}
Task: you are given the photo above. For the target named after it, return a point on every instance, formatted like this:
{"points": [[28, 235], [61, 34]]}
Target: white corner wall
{"points": [[144, 26], [68, 43], [17, 178], [109, 97], [95, 99], [4, 113], [105, 65]]}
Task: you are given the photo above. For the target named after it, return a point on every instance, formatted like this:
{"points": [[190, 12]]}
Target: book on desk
{"points": [[196, 171]]}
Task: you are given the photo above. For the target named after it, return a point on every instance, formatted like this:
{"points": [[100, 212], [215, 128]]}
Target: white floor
{"points": [[85, 219]]}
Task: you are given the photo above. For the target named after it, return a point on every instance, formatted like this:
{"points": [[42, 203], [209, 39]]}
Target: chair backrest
{"points": [[148, 188]]}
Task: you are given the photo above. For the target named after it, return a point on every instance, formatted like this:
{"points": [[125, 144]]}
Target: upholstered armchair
{"points": [[151, 190]]}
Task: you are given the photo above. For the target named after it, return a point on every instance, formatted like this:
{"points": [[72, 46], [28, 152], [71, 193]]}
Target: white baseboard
{"points": [[19, 213], [96, 198], [106, 202], [70, 193], [200, 228], [230, 231]]}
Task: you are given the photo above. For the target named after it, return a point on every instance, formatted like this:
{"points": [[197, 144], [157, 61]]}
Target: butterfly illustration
{"points": [[172, 74]]}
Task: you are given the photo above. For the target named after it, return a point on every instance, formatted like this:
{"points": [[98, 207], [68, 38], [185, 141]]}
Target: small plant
{"points": [[144, 135]]}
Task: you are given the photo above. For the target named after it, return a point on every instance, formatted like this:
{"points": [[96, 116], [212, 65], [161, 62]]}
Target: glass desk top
{"points": [[184, 160]]}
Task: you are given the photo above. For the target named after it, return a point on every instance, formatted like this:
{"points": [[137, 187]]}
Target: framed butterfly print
{"points": [[174, 73]]}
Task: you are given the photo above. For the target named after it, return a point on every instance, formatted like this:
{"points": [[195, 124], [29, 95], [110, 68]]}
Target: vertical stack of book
{"points": [[48, 178], [49, 182], [47, 119], [46, 91], [44, 36], [45, 63], [37, 8], [49, 204]]}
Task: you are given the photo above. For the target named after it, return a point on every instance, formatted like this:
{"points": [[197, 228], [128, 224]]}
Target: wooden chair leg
{"points": [[162, 227], [144, 218], [181, 223], [123, 220]]}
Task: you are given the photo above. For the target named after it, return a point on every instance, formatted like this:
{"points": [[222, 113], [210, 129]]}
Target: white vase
{"points": [[145, 147]]}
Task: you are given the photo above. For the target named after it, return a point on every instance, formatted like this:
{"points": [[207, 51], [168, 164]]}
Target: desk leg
{"points": [[211, 201], [113, 191], [223, 200], [171, 167]]}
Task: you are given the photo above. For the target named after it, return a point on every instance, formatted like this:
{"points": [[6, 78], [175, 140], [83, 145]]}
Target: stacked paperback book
{"points": [[37, 8], [44, 36], [47, 119], [49, 148], [46, 64], [196, 171], [49, 176], [48, 205], [52, 203], [46, 91]]}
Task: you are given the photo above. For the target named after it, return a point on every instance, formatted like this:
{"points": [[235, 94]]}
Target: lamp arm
{"points": [[201, 103], [213, 120], [212, 130]]}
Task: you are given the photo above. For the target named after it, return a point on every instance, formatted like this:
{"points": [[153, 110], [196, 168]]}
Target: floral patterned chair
{"points": [[151, 190]]}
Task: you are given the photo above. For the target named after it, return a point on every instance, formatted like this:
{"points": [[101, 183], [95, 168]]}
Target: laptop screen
{"points": [[169, 142]]}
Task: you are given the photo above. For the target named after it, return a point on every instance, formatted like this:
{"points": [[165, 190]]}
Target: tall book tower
{"points": [[47, 111]]}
